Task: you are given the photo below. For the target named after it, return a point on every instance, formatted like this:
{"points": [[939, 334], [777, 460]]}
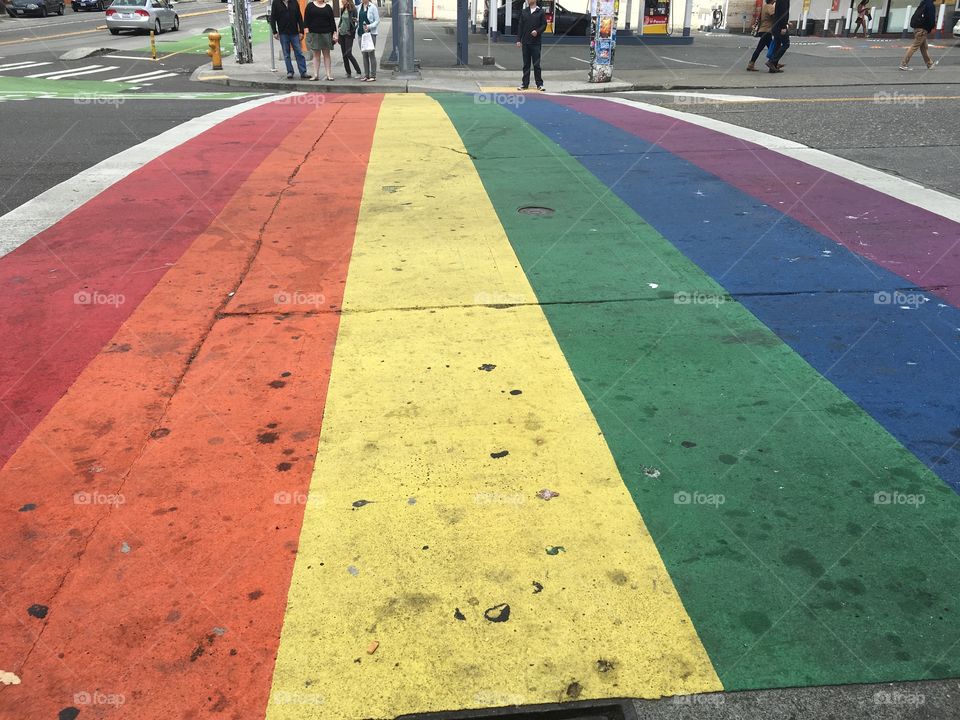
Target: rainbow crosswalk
{"points": [[292, 469]]}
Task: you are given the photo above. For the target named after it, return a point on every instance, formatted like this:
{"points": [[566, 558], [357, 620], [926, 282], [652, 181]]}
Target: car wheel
{"points": [[176, 23], [61, 9], [43, 10], [156, 27], [114, 31]]}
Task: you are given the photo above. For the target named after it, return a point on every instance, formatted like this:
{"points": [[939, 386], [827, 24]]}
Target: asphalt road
{"points": [[46, 141], [905, 130]]}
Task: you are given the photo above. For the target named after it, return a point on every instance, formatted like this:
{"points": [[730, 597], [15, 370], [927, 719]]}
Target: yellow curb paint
{"points": [[415, 535]]}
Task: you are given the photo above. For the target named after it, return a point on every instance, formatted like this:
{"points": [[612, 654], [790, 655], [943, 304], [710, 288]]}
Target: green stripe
{"points": [[799, 577]]}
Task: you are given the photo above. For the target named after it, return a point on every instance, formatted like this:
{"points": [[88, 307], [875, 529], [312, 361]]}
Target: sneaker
{"points": [[751, 68], [904, 67], [290, 76], [541, 88], [521, 88], [305, 77], [930, 66]]}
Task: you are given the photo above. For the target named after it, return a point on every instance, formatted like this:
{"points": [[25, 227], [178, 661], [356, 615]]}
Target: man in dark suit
{"points": [[533, 22]]}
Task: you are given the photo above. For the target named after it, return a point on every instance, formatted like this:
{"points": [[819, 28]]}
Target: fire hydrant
{"points": [[214, 51]]}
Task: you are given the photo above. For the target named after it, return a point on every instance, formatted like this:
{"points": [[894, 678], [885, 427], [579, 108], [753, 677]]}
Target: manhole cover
{"points": [[536, 211]]}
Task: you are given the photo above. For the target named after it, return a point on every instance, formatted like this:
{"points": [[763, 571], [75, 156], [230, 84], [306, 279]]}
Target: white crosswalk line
{"points": [[22, 65], [60, 71], [64, 76], [141, 76]]}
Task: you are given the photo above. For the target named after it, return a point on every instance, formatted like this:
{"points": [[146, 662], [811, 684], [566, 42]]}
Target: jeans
{"points": [[292, 41], [370, 60], [346, 49], [531, 54], [765, 40]]}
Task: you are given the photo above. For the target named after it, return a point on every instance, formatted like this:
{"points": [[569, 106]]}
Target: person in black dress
{"points": [[321, 34]]}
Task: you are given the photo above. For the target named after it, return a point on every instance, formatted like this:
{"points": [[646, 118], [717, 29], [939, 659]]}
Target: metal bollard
{"points": [[153, 46]]}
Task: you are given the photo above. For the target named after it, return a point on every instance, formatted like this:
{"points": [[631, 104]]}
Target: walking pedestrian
{"points": [[533, 22], [287, 25], [321, 34], [767, 13], [923, 21], [346, 30], [863, 15], [781, 34], [367, 22]]}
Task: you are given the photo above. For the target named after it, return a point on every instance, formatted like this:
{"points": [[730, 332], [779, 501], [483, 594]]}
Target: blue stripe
{"points": [[900, 365]]}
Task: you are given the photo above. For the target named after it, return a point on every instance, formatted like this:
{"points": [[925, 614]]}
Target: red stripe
{"points": [[174, 599], [118, 244]]}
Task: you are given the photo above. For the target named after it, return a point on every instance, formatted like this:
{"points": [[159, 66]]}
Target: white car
{"points": [[145, 15], [956, 30]]}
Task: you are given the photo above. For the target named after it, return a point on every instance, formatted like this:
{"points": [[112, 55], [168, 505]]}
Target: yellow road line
{"points": [[451, 532], [54, 37]]}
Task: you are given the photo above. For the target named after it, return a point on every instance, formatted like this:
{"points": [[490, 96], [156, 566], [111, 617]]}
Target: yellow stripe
{"points": [[410, 425]]}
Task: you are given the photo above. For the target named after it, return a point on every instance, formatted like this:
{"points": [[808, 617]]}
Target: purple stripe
{"points": [[911, 242]]}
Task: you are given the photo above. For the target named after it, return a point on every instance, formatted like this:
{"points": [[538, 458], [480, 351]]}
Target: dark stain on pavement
{"points": [[486, 367], [803, 559], [457, 615], [284, 466], [688, 444], [160, 433], [267, 438], [728, 459], [277, 384], [28, 507], [500, 454], [498, 613], [38, 611]]}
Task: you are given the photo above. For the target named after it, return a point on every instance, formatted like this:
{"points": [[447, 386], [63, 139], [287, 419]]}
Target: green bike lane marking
{"points": [[199, 43], [97, 92], [756, 476]]}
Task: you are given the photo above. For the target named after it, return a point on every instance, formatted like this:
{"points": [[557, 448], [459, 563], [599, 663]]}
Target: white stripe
{"points": [[51, 206], [22, 65], [64, 76], [141, 76], [58, 72], [704, 96], [687, 62], [906, 191]]}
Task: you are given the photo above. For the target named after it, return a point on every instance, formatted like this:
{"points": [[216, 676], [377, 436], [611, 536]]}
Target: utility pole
{"points": [[240, 18], [406, 67]]}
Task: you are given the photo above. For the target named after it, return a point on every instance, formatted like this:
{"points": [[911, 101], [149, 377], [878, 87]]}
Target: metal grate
{"points": [[588, 710]]}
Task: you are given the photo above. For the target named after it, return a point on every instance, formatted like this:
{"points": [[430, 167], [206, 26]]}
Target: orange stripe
{"points": [[177, 600]]}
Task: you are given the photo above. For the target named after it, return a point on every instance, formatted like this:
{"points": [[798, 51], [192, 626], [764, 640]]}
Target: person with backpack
{"points": [[924, 20]]}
